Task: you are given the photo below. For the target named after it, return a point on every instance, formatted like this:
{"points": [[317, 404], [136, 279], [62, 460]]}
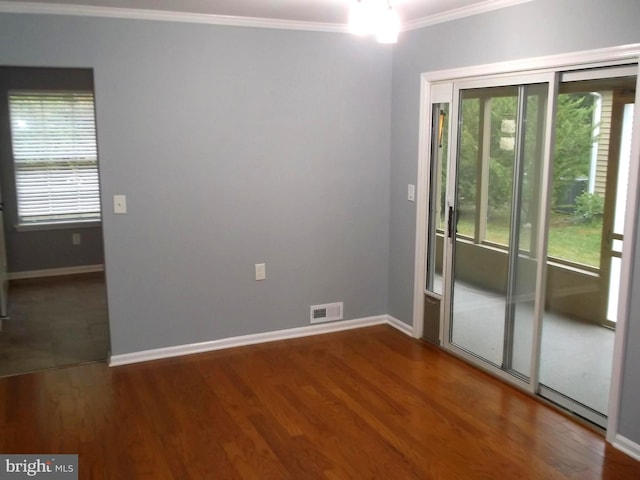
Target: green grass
{"points": [[575, 241], [569, 239]]}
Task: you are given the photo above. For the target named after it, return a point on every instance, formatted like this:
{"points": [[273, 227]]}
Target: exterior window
{"points": [[55, 157]]}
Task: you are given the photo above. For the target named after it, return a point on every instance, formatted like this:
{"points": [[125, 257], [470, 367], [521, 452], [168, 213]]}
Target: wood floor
{"points": [[362, 404]]}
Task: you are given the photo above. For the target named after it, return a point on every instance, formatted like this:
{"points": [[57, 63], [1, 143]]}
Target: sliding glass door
{"points": [[494, 215], [526, 208], [587, 209]]}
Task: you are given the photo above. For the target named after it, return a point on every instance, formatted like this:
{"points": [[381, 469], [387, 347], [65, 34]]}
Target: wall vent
{"points": [[326, 313]]}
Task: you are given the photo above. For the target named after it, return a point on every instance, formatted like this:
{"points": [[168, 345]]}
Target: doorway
{"points": [[56, 303], [523, 248]]}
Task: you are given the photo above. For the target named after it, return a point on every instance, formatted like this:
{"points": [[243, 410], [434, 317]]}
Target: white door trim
{"points": [[626, 274], [611, 56]]}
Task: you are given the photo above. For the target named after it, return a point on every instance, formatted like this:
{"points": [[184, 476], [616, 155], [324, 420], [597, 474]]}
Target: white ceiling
{"points": [[313, 11]]}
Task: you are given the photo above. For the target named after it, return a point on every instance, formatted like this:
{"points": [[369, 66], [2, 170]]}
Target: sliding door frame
{"points": [[629, 54], [517, 79]]}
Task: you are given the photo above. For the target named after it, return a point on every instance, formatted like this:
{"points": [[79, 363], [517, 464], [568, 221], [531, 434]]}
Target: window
{"points": [[55, 157], [485, 179]]}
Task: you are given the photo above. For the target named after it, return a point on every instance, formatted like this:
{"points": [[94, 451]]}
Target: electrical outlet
{"points": [[76, 239], [411, 193], [119, 204], [261, 271]]}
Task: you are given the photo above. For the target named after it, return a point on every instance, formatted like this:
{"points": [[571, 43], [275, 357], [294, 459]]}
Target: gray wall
{"points": [[234, 146], [542, 27], [51, 248]]}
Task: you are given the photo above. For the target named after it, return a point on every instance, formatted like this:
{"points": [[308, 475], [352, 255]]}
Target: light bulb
{"points": [[389, 26], [358, 24]]}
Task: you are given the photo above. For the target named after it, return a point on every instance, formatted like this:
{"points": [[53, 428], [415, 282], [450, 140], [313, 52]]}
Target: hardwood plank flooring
{"points": [[363, 404]]}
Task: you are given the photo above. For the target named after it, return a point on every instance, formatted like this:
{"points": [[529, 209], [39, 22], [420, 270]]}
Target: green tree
{"points": [[468, 160], [574, 139], [500, 160]]}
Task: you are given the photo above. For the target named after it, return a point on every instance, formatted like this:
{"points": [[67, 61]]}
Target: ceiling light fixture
{"points": [[374, 17]]}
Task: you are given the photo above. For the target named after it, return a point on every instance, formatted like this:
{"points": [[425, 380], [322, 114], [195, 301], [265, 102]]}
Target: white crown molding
{"points": [[457, 13], [39, 8], [614, 55], [166, 16]]}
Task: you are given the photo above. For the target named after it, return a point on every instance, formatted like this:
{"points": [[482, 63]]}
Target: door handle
{"points": [[450, 226]]}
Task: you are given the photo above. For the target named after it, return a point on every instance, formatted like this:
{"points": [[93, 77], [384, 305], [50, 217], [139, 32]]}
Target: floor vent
{"points": [[326, 313]]}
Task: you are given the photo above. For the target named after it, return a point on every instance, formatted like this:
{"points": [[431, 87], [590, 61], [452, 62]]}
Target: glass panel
{"points": [[523, 251], [480, 272], [614, 288], [502, 145], [576, 349], [437, 196], [623, 169], [468, 154], [495, 288], [583, 120], [620, 211]]}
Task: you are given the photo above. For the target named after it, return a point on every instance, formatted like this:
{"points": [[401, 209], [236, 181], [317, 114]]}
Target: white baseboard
{"points": [[168, 352], [627, 446], [400, 325], [55, 272]]}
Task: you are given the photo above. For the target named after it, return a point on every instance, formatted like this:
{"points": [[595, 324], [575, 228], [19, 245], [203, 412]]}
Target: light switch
{"points": [[119, 204], [261, 271], [411, 193]]}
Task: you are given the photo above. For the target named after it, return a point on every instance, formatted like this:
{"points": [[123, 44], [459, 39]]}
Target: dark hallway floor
{"points": [[54, 322]]}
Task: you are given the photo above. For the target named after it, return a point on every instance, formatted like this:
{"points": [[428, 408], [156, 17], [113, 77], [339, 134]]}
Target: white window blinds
{"points": [[54, 151]]}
